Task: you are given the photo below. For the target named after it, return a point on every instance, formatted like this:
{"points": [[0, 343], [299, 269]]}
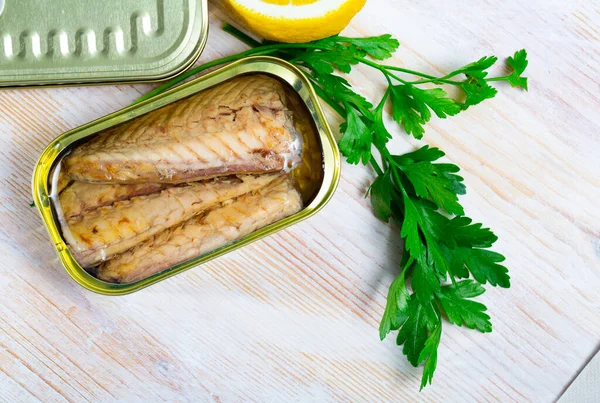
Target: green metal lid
{"points": [[84, 41]]}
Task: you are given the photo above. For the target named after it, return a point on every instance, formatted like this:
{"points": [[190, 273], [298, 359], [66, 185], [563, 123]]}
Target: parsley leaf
{"points": [[419, 320], [339, 88], [411, 107], [409, 230], [382, 192], [461, 232], [460, 310], [481, 263], [357, 138], [478, 68], [477, 90], [425, 282], [518, 63], [428, 239], [436, 182], [405, 111], [324, 61], [380, 132], [429, 355], [453, 181], [437, 100], [424, 153], [396, 307], [378, 47], [429, 223]]}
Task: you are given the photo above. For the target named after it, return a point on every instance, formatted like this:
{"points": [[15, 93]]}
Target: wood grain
{"points": [[294, 317]]}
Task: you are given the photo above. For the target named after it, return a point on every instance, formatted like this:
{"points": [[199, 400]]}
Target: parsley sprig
{"points": [[447, 258]]}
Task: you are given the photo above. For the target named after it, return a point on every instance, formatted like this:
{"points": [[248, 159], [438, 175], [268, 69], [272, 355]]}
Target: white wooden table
{"points": [[294, 317]]}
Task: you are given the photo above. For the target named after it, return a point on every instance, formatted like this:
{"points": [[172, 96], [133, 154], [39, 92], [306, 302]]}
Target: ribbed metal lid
{"points": [[84, 41]]}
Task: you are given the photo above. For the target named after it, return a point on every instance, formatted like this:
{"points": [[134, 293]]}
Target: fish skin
{"points": [[204, 233], [103, 233], [81, 197], [241, 126]]}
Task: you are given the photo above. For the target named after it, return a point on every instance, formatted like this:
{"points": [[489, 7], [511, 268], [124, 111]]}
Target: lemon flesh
{"points": [[295, 20]]}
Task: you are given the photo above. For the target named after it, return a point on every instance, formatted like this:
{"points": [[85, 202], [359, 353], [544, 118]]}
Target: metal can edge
{"points": [[257, 64]]}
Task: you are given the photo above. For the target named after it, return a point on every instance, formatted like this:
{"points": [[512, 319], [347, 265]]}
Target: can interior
{"points": [[308, 175]]}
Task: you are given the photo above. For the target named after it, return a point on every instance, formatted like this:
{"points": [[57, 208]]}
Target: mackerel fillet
{"points": [[101, 234], [204, 233], [239, 127], [80, 197]]}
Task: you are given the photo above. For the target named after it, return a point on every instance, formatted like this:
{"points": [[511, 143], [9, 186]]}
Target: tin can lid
{"points": [[84, 41]]}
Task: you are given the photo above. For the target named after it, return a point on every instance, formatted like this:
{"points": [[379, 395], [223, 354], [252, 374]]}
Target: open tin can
{"points": [[317, 176], [85, 42]]}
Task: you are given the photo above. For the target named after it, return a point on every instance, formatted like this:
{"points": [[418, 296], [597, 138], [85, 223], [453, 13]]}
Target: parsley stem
{"points": [[392, 166], [429, 78], [381, 68], [344, 39], [411, 260], [436, 81], [408, 71], [396, 176], [388, 74], [233, 31], [452, 82], [503, 78], [385, 153], [376, 167], [389, 81]]}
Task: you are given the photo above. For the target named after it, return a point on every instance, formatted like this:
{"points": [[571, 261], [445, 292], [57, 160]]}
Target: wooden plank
{"points": [[294, 317]]}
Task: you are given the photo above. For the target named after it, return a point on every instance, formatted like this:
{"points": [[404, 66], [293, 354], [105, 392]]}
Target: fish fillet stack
{"points": [[180, 181]]}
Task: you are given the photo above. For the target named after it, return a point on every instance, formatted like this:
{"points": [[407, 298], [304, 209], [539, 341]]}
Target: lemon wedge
{"points": [[295, 20]]}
